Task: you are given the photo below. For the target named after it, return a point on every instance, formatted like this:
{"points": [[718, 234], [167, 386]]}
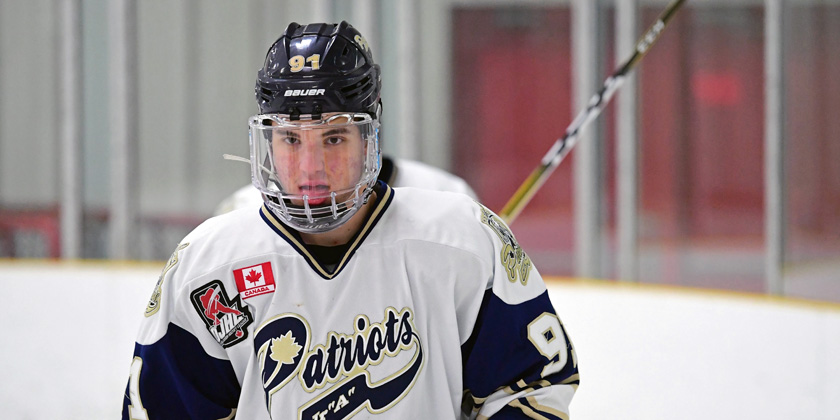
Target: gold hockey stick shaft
{"points": [[596, 104]]}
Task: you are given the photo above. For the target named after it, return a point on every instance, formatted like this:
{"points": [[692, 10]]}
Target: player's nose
{"points": [[312, 157]]}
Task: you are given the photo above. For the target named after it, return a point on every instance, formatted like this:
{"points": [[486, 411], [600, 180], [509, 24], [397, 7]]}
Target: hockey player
{"points": [[341, 296]]}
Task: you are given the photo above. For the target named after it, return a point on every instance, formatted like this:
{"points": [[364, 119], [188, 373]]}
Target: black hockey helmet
{"points": [[319, 68]]}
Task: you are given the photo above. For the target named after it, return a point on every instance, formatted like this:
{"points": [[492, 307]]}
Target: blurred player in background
{"points": [[340, 295]]}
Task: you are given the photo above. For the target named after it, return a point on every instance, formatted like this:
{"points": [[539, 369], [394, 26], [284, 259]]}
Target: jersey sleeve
{"points": [[518, 362], [178, 370]]}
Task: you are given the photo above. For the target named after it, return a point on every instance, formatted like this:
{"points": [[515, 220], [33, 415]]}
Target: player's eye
{"points": [[333, 140], [291, 140]]}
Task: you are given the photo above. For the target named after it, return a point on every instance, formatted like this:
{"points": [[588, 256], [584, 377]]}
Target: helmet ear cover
{"points": [[319, 68]]}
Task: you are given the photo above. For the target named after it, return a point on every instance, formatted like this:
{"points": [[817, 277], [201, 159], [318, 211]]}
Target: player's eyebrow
{"points": [[334, 131], [289, 133]]}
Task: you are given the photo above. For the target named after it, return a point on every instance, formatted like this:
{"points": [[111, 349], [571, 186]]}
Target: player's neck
{"points": [[344, 233]]}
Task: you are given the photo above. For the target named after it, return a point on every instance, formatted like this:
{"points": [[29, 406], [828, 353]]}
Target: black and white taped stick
{"points": [[596, 104]]}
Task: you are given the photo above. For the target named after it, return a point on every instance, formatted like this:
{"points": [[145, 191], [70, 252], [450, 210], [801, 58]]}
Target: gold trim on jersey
{"points": [[531, 408], [573, 380], [154, 302], [515, 261], [470, 404], [297, 244], [232, 415]]}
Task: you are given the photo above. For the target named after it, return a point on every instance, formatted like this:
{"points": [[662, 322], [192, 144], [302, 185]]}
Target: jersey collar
{"points": [[384, 196]]}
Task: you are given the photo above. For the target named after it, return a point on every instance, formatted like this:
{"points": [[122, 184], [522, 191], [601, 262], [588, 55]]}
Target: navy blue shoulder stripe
{"points": [[177, 365]]}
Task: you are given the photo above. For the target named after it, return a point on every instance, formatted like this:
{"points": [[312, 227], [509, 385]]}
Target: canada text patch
{"points": [[254, 280]]}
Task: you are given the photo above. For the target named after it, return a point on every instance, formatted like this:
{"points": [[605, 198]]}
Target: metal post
{"points": [[406, 66], [587, 191], [321, 11], [123, 124], [364, 19], [774, 151], [71, 129], [627, 136], [435, 84]]}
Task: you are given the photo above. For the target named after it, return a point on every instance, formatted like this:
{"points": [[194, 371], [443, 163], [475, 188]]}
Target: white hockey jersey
{"points": [[395, 172], [432, 311]]}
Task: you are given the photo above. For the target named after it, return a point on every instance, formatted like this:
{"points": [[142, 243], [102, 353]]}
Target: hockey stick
{"points": [[596, 104]]}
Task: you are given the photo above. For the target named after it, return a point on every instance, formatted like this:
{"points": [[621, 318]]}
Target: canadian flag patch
{"points": [[254, 280]]}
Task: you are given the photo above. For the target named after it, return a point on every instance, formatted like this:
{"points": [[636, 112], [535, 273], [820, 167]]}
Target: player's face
{"points": [[314, 161]]}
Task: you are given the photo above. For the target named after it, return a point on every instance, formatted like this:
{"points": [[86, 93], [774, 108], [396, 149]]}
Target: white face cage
{"points": [[314, 174]]}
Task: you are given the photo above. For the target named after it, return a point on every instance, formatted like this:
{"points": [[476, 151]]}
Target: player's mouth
{"points": [[318, 193]]}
